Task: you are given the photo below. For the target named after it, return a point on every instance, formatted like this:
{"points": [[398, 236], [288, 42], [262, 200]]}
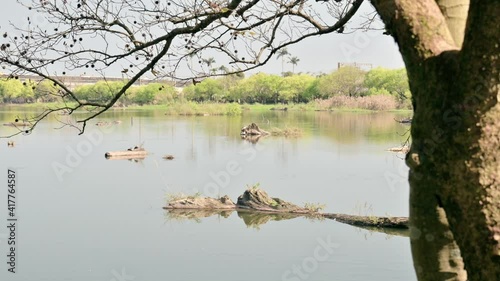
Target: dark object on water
{"points": [[253, 130], [402, 149], [404, 120], [168, 157], [10, 143], [131, 153]]}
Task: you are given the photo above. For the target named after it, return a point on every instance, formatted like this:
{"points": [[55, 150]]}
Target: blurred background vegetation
{"points": [[347, 87]]}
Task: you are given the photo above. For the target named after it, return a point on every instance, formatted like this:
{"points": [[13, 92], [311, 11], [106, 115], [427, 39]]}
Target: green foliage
{"points": [[203, 109], [292, 87], [233, 90], [233, 109], [209, 90], [390, 81], [46, 91], [261, 87], [101, 91], [153, 93], [346, 81], [15, 91]]}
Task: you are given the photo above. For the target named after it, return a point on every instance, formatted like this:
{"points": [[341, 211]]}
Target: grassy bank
{"points": [[190, 108]]}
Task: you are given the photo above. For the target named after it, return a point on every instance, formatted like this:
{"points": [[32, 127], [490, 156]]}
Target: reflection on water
{"points": [[253, 219], [95, 217], [256, 219]]}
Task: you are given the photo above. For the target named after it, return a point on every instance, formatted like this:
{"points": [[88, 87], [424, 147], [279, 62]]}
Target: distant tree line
{"points": [[259, 88], [302, 88]]}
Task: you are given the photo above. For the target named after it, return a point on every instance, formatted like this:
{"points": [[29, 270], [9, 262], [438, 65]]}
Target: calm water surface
{"points": [[85, 218]]}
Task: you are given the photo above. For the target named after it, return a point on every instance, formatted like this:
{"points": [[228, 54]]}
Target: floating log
{"points": [[135, 158], [403, 149], [388, 222], [403, 232], [132, 153], [17, 124], [255, 200], [404, 120]]}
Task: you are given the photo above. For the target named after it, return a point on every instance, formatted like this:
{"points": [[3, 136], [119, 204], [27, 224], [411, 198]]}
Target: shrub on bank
{"points": [[193, 108], [376, 102]]}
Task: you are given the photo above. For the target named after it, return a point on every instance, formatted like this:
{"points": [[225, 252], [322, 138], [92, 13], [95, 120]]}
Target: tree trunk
{"points": [[455, 154]]}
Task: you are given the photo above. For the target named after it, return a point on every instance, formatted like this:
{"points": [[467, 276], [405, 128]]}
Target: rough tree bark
{"points": [[451, 52]]}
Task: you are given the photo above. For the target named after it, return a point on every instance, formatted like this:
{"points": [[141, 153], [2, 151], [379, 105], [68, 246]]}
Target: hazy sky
{"points": [[318, 54]]}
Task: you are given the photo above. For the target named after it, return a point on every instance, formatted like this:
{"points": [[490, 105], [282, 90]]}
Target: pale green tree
{"points": [[394, 81], [346, 81]]}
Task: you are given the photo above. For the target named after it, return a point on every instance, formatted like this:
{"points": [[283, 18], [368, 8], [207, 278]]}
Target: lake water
{"points": [[85, 218]]}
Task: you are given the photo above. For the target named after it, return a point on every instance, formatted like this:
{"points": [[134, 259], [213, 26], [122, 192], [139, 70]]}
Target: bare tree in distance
{"points": [[282, 53], [157, 39], [294, 61]]}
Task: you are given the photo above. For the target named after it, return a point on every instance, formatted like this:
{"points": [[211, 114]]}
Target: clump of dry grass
{"points": [[286, 132], [375, 102], [172, 197]]}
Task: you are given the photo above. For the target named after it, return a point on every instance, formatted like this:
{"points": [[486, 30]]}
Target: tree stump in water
{"points": [[257, 199], [253, 130]]}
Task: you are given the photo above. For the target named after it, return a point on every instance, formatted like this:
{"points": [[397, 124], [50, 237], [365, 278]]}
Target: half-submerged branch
{"points": [[256, 200]]}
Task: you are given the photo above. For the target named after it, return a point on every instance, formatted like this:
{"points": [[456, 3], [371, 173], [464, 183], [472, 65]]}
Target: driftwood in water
{"points": [[256, 201], [202, 203], [403, 232], [404, 120], [403, 149], [17, 124], [253, 130], [388, 222], [131, 153]]}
